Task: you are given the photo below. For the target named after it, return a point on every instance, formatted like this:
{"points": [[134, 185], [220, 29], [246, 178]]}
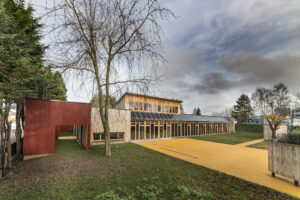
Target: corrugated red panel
{"points": [[43, 120]]}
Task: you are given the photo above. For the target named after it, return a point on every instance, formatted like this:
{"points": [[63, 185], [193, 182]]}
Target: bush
{"points": [[250, 127], [290, 139]]}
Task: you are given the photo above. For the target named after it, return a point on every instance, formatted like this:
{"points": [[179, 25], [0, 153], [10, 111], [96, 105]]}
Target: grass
{"points": [[260, 145], [132, 171], [233, 138], [65, 134]]}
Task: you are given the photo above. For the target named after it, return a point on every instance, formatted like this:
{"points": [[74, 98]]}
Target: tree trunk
{"points": [[1, 138], [107, 140], [6, 160], [273, 134], [18, 128]]}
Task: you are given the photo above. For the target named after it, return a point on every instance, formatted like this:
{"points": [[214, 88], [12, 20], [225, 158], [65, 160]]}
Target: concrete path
{"points": [[246, 163], [67, 137], [250, 142]]}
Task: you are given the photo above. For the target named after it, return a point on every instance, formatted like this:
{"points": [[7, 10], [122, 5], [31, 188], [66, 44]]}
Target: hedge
{"points": [[249, 127], [290, 139]]}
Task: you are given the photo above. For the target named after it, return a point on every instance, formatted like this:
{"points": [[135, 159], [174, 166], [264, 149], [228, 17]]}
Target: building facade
{"points": [[141, 117]]}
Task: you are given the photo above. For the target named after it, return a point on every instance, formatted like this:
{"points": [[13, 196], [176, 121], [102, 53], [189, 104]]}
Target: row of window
{"points": [[113, 136], [143, 130], [139, 106]]}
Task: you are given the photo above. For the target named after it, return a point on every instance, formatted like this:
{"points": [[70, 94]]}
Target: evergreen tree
{"points": [[197, 111], [16, 71], [50, 85], [242, 110]]}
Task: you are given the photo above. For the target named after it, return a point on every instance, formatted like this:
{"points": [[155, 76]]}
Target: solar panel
{"points": [[172, 117]]}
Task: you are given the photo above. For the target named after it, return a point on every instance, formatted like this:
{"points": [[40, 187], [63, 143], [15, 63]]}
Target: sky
{"points": [[218, 49]]}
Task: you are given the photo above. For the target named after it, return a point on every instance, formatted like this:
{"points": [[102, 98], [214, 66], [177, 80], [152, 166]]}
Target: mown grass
{"points": [[132, 172], [65, 134], [233, 138], [260, 145]]}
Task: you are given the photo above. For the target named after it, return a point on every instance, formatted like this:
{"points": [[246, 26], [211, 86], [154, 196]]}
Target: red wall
{"points": [[66, 129], [43, 119]]}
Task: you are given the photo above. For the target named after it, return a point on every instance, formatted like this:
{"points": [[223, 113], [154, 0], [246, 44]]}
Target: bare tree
{"points": [[273, 104], [109, 41]]}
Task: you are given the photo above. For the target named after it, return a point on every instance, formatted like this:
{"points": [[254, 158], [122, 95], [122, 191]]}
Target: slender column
{"points": [[158, 129], [181, 129], [144, 138], [170, 129], [135, 130]]}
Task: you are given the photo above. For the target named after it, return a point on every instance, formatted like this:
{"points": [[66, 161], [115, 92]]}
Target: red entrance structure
{"points": [[45, 118]]}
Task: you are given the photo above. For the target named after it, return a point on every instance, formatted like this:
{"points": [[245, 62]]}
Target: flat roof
{"points": [[32, 98], [147, 96], [176, 117]]}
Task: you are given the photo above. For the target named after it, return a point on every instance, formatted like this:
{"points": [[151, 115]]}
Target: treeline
{"points": [[22, 72]]}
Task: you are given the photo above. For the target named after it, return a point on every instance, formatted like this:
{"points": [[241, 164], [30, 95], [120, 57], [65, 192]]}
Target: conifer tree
{"points": [[242, 110]]}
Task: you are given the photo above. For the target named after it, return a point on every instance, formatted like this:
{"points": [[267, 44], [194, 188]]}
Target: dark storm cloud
{"points": [[213, 82]]}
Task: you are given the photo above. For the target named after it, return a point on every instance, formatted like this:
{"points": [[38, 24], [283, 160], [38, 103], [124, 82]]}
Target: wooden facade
{"points": [[143, 103], [147, 129]]}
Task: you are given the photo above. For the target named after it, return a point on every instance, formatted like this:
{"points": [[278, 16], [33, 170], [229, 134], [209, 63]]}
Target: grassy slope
{"points": [[72, 173], [234, 138]]}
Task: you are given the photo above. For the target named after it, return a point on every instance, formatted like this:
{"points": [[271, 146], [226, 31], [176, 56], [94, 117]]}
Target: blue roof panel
{"points": [[180, 117]]}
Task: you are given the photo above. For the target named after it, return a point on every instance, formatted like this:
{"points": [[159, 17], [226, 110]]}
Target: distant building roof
{"points": [[176, 117], [142, 95]]}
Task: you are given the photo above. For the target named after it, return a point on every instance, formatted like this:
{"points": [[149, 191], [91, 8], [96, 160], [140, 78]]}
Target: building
{"points": [[135, 117], [152, 117], [257, 119]]}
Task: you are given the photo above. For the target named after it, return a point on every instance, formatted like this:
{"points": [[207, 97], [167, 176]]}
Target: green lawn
{"points": [[65, 134], [233, 138], [260, 145], [132, 171]]}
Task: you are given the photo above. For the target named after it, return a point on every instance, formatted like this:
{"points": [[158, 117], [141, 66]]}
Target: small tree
{"points": [[273, 104], [242, 110]]}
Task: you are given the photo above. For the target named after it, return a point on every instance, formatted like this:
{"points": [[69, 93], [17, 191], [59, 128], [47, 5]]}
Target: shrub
{"points": [[290, 139], [250, 127]]}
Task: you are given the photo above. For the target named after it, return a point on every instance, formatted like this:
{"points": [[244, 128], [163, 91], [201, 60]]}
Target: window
{"points": [[140, 106], [136, 106], [145, 106], [159, 108], [167, 109], [96, 136], [162, 108], [130, 105], [150, 107], [171, 109], [176, 109], [117, 135], [113, 136], [154, 107]]}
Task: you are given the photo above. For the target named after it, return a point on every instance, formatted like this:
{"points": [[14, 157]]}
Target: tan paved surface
{"points": [[246, 163]]}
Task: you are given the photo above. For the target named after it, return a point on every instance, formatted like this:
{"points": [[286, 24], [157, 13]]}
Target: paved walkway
{"points": [[250, 142], [246, 163]]}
